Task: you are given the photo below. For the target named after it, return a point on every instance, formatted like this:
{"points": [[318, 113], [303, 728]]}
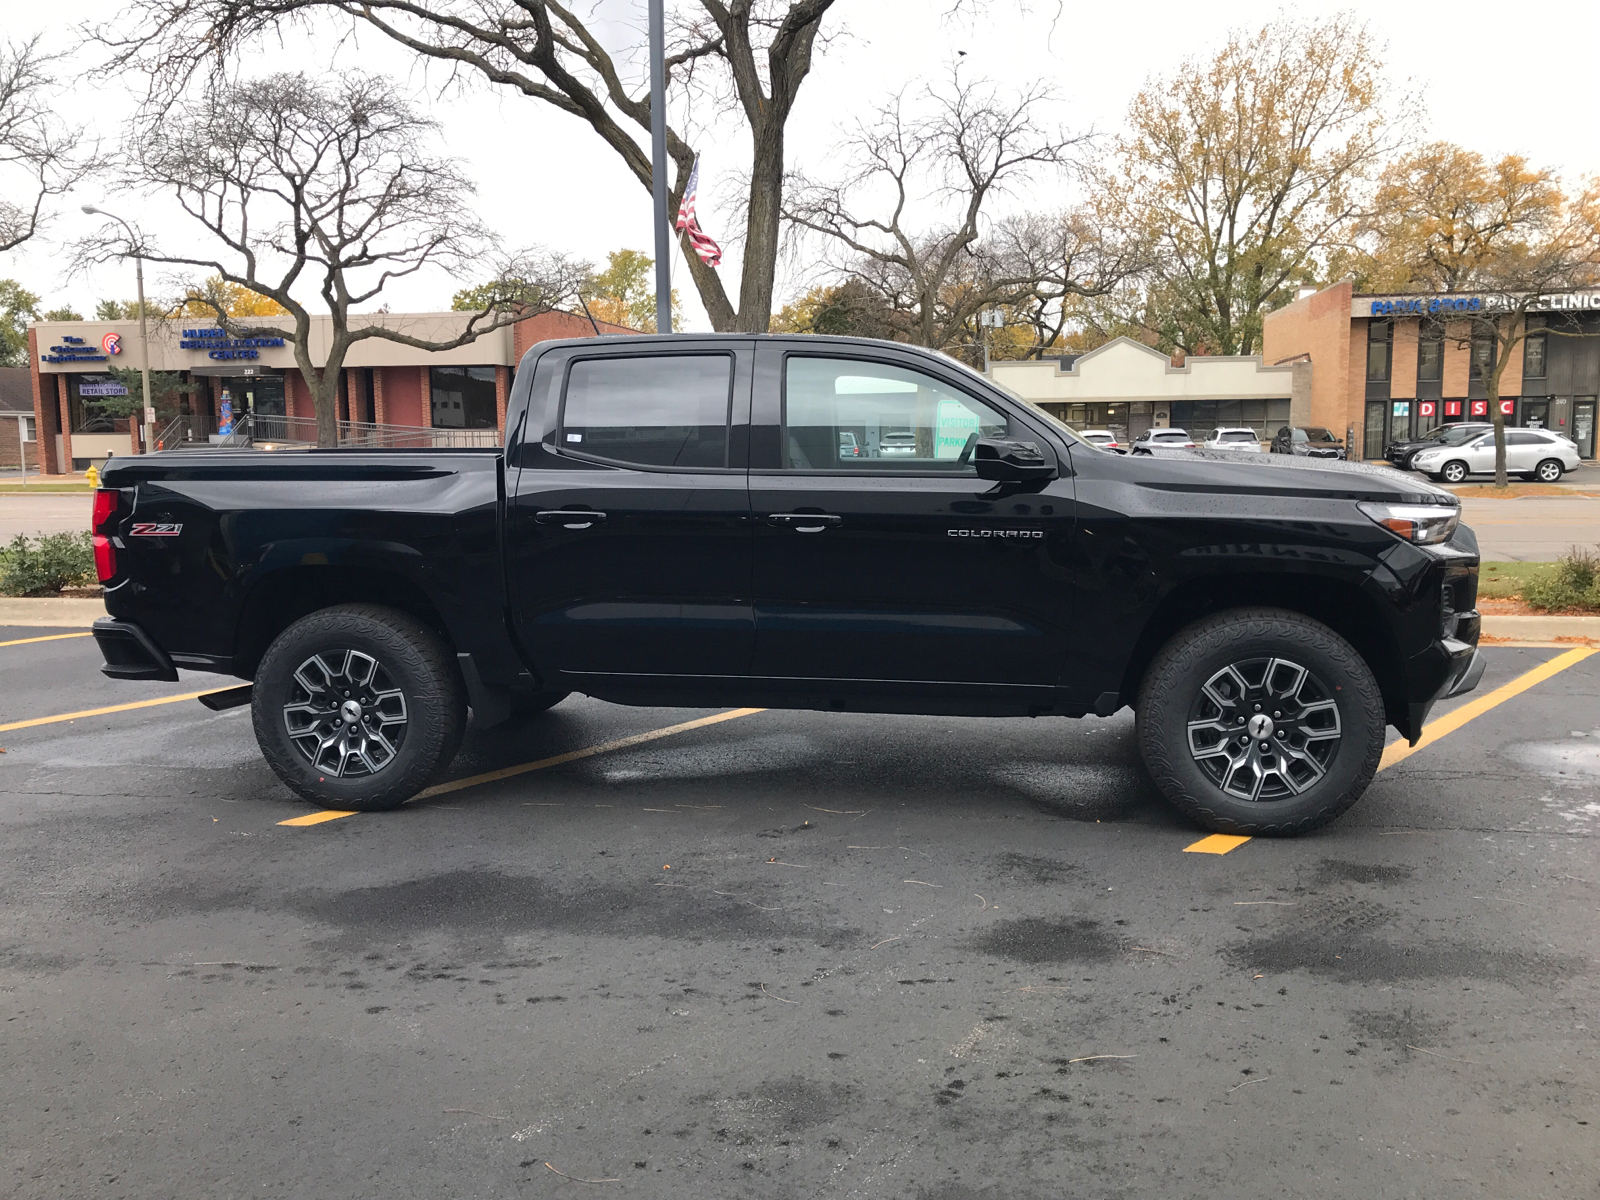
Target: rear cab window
{"points": [[662, 410]]}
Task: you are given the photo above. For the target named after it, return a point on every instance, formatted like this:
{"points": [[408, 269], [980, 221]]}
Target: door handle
{"points": [[806, 522], [569, 518]]}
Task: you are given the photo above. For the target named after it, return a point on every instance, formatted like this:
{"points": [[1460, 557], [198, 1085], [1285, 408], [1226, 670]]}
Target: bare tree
{"points": [[40, 157], [745, 57], [328, 188], [1057, 268], [971, 146]]}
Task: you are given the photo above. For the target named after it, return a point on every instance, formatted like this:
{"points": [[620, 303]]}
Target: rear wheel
{"points": [[358, 707], [1260, 721], [1549, 471], [1453, 472]]}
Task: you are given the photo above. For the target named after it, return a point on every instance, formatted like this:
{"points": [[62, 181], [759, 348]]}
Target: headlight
{"points": [[1426, 455], [1422, 524]]}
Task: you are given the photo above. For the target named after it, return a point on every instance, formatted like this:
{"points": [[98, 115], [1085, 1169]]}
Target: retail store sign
{"points": [[1428, 305], [218, 345], [108, 387]]}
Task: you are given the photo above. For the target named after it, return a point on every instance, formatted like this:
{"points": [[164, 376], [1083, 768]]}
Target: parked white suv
{"points": [[1531, 453], [1164, 439], [1233, 439]]}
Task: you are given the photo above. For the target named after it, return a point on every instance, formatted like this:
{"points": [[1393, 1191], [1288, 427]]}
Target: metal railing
{"points": [[253, 430]]}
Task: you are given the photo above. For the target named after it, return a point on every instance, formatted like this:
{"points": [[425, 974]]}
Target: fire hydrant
{"points": [[93, 476]]}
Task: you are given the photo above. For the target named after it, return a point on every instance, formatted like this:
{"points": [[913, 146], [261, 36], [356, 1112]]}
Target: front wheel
{"points": [[1260, 721], [1453, 472], [358, 707], [1549, 471]]}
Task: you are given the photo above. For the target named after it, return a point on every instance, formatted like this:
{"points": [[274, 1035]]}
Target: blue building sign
{"points": [[73, 349], [219, 345]]}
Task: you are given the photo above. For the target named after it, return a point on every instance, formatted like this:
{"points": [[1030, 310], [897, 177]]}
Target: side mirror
{"points": [[1010, 462]]}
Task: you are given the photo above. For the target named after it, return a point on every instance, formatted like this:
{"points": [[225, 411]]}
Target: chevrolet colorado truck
{"points": [[796, 522]]}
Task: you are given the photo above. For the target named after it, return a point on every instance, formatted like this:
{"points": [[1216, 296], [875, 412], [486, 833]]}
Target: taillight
{"points": [[105, 554], [105, 507]]}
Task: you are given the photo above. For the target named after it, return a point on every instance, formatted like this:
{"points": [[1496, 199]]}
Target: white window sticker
{"points": [[574, 437]]}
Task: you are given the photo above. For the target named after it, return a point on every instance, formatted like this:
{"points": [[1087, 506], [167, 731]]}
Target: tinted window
{"points": [[463, 397], [1515, 438], [1430, 356], [896, 419], [1455, 437], [658, 411], [1533, 358], [1238, 436]]}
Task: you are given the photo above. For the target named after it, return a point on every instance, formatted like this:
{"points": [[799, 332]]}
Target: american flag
{"points": [[710, 253]]}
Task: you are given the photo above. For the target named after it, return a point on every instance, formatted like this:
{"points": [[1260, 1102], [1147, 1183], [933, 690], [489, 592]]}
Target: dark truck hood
{"points": [[1283, 474]]}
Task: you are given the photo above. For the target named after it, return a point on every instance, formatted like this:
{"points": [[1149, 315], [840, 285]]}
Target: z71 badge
{"points": [[154, 529]]}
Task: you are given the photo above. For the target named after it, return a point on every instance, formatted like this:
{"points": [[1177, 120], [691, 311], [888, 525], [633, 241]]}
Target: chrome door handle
{"points": [[569, 518], [806, 522]]}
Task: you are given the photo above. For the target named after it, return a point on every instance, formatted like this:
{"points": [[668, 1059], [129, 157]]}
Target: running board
{"points": [[227, 698]]}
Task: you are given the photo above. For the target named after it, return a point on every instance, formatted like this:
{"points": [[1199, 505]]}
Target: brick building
{"points": [[387, 391], [1389, 367]]}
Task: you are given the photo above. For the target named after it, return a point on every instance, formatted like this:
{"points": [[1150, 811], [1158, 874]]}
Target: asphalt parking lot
{"points": [[788, 955]]}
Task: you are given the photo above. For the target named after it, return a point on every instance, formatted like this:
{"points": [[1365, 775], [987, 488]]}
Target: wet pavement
{"points": [[788, 955]]}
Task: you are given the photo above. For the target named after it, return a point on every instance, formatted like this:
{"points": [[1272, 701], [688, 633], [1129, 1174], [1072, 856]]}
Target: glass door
{"points": [[1583, 425], [1377, 423]]}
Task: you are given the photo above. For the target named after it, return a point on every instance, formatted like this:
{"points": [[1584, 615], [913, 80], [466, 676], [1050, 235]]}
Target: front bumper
{"points": [[130, 652]]}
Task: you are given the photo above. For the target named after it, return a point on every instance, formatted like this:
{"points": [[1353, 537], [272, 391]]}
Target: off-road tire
{"points": [[1172, 687], [417, 665], [1549, 471], [1454, 471]]}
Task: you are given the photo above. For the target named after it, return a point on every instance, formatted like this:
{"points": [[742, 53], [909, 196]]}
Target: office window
{"points": [[847, 414], [1430, 354], [1483, 356], [660, 410], [463, 398], [1533, 358], [1380, 344]]}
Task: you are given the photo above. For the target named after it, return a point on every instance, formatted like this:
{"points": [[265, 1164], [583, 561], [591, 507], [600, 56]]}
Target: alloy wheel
{"points": [[1549, 471], [1264, 729], [1454, 472], [345, 713]]}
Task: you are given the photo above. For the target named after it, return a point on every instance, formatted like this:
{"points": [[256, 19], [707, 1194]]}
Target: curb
{"points": [[54, 612], [1540, 629]]}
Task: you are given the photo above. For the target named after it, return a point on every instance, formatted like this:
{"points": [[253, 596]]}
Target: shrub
{"points": [[44, 566], [1575, 583]]}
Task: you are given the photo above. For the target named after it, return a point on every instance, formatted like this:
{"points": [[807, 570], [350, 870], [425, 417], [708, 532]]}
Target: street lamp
{"points": [[144, 333]]}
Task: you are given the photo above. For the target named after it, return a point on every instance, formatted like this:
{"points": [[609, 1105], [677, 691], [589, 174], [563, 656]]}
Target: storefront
{"points": [[1128, 388], [1393, 367], [236, 389]]}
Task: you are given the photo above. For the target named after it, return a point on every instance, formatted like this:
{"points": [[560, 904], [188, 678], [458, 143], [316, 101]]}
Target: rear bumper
{"points": [[130, 652]]}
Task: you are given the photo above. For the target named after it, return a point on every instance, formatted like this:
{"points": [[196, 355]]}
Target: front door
{"points": [[628, 535], [880, 556], [1583, 425]]}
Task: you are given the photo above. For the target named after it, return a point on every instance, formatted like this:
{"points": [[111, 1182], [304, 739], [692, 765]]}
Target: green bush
{"points": [[1575, 583], [44, 566]]}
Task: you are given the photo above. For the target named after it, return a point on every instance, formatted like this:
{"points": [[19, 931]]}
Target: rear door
{"points": [[900, 570], [628, 538]]}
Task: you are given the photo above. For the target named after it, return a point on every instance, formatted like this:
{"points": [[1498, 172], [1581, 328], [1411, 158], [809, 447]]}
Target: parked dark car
{"points": [[671, 522], [1400, 453], [1307, 441]]}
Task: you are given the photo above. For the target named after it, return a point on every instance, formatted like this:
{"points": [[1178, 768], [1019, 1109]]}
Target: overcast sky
{"points": [[1493, 81]]}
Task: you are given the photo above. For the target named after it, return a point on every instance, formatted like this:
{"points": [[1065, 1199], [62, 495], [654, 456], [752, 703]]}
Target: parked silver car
{"points": [[1531, 453], [1233, 438]]}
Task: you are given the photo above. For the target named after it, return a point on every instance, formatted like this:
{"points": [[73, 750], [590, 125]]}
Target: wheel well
{"points": [[1339, 605], [285, 596]]}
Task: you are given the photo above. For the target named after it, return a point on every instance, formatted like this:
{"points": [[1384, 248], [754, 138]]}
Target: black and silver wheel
{"points": [[1549, 471], [358, 707], [1453, 471], [1260, 721]]}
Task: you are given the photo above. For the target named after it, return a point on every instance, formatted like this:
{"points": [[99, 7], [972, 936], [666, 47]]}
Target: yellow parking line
{"points": [[317, 818], [456, 785], [1219, 843], [54, 637], [1457, 717], [96, 712]]}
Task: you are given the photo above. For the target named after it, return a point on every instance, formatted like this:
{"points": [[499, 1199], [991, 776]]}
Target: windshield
{"points": [[1454, 437], [1318, 434], [1299, 435]]}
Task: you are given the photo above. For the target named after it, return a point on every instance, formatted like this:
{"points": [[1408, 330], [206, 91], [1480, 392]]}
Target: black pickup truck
{"points": [[797, 522]]}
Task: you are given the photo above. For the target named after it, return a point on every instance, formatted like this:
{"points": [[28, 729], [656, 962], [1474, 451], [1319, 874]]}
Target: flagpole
{"points": [[658, 164]]}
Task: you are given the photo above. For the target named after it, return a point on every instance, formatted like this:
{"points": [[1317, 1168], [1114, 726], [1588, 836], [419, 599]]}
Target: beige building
{"points": [[1127, 387], [389, 393]]}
